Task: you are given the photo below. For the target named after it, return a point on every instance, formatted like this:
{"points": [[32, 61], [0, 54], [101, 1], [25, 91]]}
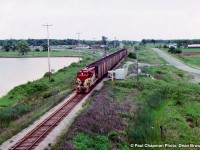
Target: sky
{"points": [[123, 19]]}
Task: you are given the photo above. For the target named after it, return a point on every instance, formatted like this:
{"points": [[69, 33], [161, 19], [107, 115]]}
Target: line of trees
{"points": [[41, 42], [12, 44], [21, 46], [181, 42]]}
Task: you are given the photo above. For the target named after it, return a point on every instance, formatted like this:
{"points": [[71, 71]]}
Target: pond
{"points": [[16, 71]]}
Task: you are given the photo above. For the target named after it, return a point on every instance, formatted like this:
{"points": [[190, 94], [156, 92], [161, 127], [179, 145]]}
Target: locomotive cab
{"points": [[85, 80]]}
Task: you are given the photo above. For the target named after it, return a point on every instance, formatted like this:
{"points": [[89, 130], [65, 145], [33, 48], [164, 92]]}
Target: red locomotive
{"points": [[87, 77]]}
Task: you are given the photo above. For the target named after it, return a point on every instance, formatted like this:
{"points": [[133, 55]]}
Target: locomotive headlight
{"points": [[78, 81]]}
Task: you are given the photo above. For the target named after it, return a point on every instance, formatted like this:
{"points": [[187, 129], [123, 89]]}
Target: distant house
{"points": [[82, 46], [35, 47], [194, 46], [173, 45], [95, 46]]}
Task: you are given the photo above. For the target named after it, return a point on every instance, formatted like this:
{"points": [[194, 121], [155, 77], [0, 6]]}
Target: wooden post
{"points": [[137, 72], [161, 132]]}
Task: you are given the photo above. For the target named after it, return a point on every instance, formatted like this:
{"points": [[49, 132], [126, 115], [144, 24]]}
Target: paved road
{"points": [[175, 62]]}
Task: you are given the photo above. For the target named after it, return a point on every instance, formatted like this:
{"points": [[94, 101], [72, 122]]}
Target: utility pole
{"points": [[48, 25], [79, 33]]}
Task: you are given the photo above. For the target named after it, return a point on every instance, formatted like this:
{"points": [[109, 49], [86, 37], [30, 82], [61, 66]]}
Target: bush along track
{"points": [[25, 103], [162, 110]]}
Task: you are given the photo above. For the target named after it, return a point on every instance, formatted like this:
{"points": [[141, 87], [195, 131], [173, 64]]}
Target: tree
{"points": [[143, 41], [178, 51], [172, 50], [45, 47], [7, 46], [153, 41], [104, 40], [22, 47]]}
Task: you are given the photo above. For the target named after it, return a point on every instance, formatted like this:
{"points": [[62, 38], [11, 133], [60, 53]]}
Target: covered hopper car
{"points": [[87, 77]]}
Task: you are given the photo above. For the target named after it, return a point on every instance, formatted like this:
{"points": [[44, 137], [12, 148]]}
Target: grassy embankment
{"points": [[25, 103], [54, 53], [191, 61], [127, 112]]}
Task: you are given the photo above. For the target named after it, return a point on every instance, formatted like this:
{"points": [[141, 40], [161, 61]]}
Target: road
{"points": [[175, 62]]}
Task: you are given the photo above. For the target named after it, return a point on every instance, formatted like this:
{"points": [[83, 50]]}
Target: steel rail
{"points": [[15, 147]]}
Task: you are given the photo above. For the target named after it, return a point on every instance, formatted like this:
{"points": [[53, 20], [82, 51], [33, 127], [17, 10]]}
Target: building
{"points": [[194, 46], [172, 45]]}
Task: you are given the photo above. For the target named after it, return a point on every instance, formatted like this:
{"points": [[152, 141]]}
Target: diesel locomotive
{"points": [[87, 77]]}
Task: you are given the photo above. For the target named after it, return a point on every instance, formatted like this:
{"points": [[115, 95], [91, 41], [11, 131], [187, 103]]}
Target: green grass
{"points": [[168, 100], [57, 53], [53, 53], [190, 50], [86, 142], [190, 61]]}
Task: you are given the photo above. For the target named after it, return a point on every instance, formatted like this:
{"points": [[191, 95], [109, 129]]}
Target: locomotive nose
{"points": [[81, 89]]}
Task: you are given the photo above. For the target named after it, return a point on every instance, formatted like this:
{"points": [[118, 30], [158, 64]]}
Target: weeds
{"points": [[142, 131], [85, 142]]}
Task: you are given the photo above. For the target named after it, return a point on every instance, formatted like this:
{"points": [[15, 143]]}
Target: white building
{"points": [[172, 45], [194, 46]]}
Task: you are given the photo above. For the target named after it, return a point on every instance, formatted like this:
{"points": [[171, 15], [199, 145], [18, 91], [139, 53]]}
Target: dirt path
{"points": [[194, 72]]}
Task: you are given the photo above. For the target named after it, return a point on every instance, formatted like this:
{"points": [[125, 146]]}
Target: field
{"points": [[54, 53], [190, 50], [190, 57], [128, 112], [194, 52]]}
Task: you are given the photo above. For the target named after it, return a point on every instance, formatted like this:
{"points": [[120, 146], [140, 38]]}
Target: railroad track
{"points": [[37, 135]]}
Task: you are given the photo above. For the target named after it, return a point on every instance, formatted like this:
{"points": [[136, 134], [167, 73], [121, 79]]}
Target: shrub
{"points": [[12, 113], [132, 55], [28, 89], [37, 50], [160, 72], [84, 142], [178, 51], [113, 136], [136, 48], [165, 46], [74, 65], [35, 87], [52, 80], [47, 74], [172, 50]]}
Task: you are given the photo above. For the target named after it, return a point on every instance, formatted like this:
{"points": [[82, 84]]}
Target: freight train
{"points": [[87, 77]]}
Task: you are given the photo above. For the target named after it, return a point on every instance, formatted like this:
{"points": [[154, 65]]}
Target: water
{"points": [[16, 71]]}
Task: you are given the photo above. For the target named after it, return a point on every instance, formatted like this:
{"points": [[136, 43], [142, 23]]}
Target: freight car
{"points": [[87, 77]]}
